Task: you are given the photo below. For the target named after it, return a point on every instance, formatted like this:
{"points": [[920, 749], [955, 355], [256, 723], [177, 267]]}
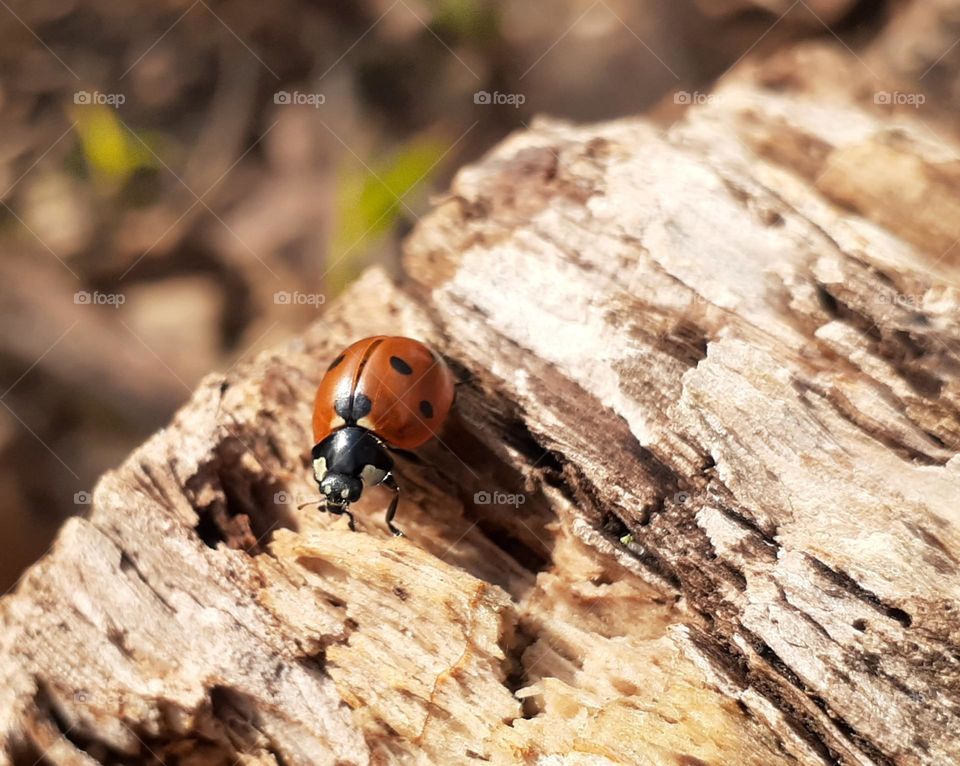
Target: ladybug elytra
{"points": [[380, 393]]}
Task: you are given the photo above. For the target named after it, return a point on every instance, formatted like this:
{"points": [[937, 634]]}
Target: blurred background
{"points": [[185, 182]]}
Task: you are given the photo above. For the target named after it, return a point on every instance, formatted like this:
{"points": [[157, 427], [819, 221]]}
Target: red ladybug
{"points": [[380, 393]]}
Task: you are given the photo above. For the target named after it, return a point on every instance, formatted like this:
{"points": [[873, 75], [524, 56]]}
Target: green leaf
{"points": [[370, 202], [109, 149]]}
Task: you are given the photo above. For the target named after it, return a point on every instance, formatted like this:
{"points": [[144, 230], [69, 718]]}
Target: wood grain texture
{"points": [[698, 502]]}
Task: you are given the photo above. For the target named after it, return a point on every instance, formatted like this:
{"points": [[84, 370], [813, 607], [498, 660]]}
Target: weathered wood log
{"points": [[698, 502]]}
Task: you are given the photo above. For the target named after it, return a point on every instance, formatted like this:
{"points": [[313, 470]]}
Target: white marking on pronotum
{"points": [[372, 475], [320, 468]]}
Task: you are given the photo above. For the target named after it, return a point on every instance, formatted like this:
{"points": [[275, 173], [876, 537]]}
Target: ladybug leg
{"points": [[340, 510], [390, 483], [350, 520]]}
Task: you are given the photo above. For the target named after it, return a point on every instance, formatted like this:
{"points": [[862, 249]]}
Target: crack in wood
{"points": [[851, 586]]}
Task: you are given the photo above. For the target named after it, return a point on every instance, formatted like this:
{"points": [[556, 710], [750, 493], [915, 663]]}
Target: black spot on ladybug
{"points": [[342, 406], [335, 362], [361, 406], [426, 408], [400, 366]]}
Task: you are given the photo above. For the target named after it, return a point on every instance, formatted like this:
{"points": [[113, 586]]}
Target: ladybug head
{"points": [[345, 461], [340, 489]]}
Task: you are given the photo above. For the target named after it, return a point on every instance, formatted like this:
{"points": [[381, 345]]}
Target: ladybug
{"points": [[380, 393]]}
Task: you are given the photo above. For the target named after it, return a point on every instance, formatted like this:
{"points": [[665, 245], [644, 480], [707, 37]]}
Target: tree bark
{"points": [[697, 502]]}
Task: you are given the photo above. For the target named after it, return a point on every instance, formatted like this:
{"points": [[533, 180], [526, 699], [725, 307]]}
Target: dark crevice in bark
{"points": [[901, 349], [774, 661], [524, 635], [27, 753], [564, 476], [658, 564], [129, 567], [522, 439], [742, 520], [153, 487], [242, 725], [248, 507], [726, 656], [527, 556], [77, 735], [850, 585], [802, 722]]}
